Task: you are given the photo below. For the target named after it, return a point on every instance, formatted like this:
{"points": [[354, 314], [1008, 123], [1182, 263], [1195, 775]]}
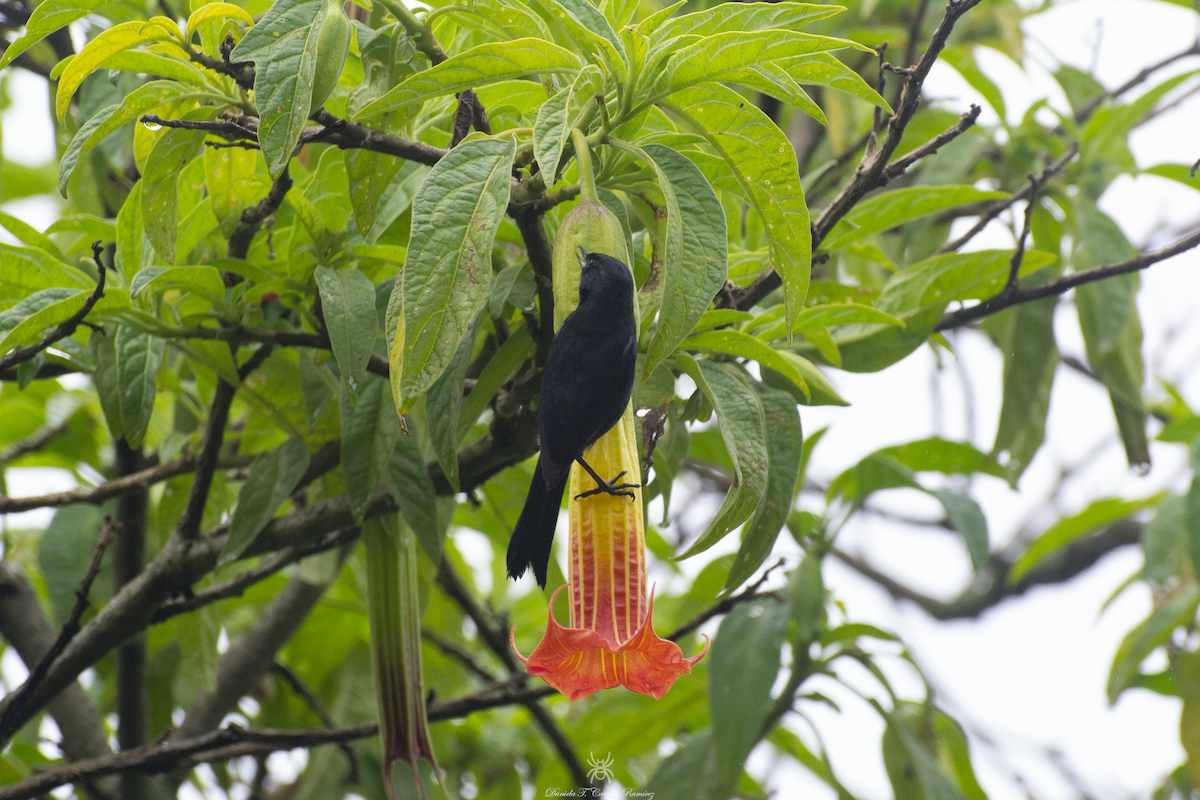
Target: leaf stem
{"points": [[587, 181], [423, 38]]}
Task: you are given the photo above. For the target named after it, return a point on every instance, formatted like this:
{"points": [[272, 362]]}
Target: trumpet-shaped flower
{"points": [[610, 640]]}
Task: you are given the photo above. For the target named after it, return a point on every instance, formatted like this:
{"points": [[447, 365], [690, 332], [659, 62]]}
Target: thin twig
{"points": [[1000, 206], [252, 218], [1018, 256], [15, 707], [897, 167], [298, 686], [1089, 107], [68, 326], [117, 487], [31, 443]]}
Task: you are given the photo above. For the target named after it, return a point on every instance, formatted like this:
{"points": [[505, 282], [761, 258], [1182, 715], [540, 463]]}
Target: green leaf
{"points": [[27, 234], [272, 479], [899, 206], [735, 342], [764, 164], [591, 20], [550, 134], [366, 447], [724, 18], [876, 472], [784, 446], [108, 43], [370, 175], [47, 17], [406, 477], [283, 47], [742, 668], [103, 348], [693, 280], [942, 455], [109, 119], [1030, 363], [397, 198], [1112, 332], [1097, 515], [348, 303], [689, 773], [204, 281], [745, 439], [234, 185], [773, 81], [139, 356], [1178, 610], [479, 66], [174, 150], [1192, 501], [820, 391], [444, 402], [448, 267], [806, 598], [713, 56], [823, 69], [966, 517], [500, 368], [134, 250], [23, 323], [30, 269], [827, 315], [912, 769], [919, 296], [64, 554]]}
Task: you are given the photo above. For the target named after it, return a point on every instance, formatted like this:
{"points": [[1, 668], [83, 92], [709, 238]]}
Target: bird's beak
{"points": [[582, 256]]}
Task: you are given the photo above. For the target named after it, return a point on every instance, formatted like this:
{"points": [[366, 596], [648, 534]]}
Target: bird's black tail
{"points": [[531, 539]]}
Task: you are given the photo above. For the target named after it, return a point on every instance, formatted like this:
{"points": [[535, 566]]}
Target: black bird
{"points": [[585, 388]]}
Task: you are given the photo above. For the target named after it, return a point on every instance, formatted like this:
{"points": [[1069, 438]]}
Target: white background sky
{"points": [[1030, 675]]}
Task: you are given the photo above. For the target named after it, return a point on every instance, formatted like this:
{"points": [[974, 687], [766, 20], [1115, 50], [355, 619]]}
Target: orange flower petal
{"points": [[579, 662]]}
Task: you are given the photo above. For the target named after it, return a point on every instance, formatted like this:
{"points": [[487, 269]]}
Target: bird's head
{"points": [[601, 272]]}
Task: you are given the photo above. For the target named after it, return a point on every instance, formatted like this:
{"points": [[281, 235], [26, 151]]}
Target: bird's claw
{"points": [[612, 488]]}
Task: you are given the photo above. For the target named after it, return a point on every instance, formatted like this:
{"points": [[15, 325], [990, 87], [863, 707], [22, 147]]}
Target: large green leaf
{"points": [[1097, 515], [448, 266], [693, 280], [109, 43], [443, 406], [139, 356], [1112, 331], [1030, 363], [272, 479], [764, 164], [742, 430], [919, 296], [47, 17], [160, 186], [348, 303], [737, 343], [479, 66], [742, 668], [901, 205], [724, 18], [823, 69], [784, 447], [1178, 610], [31, 269], [713, 56], [914, 771], [108, 119], [64, 554], [283, 47]]}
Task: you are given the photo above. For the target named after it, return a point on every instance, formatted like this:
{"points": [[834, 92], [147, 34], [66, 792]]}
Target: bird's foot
{"points": [[611, 487]]}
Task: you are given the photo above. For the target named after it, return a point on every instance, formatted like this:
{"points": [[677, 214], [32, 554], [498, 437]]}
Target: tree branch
{"points": [[31, 443], [346, 135], [1005, 299], [24, 625], [990, 585], [65, 328], [12, 716], [253, 217]]}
